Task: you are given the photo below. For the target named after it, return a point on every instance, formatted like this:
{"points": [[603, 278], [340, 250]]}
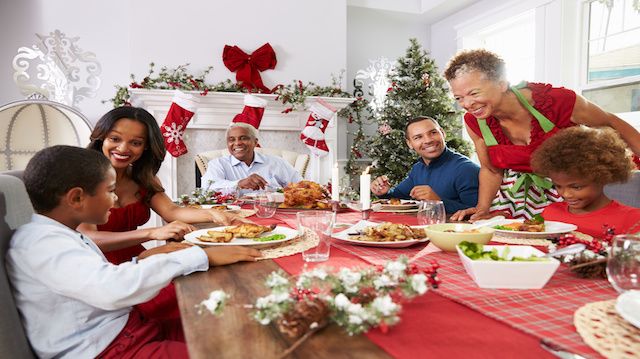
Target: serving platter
{"points": [[552, 228]]}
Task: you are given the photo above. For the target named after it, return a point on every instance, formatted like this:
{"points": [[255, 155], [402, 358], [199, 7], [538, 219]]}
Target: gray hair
{"points": [[253, 132]]}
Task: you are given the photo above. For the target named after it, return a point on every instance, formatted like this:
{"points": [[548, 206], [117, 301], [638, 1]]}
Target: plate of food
{"points": [[242, 235], [395, 205], [536, 227], [386, 234], [219, 207]]}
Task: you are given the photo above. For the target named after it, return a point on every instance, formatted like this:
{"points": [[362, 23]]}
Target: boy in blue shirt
{"points": [[440, 173], [73, 302]]}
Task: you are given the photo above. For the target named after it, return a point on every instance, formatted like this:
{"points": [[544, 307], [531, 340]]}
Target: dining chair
{"points": [[15, 210], [299, 161], [28, 126], [627, 193]]}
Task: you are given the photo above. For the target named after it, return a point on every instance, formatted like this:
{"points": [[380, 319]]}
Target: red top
{"points": [[123, 219], [555, 103], [623, 219]]}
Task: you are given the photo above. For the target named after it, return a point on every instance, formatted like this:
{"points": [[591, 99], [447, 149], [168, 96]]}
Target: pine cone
{"points": [[595, 270], [298, 320]]}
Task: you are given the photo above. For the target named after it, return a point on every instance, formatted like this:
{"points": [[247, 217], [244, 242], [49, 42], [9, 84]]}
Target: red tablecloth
{"points": [[461, 324]]}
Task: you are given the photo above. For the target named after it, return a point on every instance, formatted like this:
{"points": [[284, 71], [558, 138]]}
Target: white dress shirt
{"points": [[74, 302], [224, 173]]}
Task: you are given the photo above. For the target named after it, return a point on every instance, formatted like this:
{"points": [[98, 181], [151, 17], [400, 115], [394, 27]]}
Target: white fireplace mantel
{"points": [[215, 111]]}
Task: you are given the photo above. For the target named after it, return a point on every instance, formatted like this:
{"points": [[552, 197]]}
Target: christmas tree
{"points": [[416, 90]]}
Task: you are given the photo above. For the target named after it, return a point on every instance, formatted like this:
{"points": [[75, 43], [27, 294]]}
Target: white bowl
{"points": [[447, 241], [507, 274]]}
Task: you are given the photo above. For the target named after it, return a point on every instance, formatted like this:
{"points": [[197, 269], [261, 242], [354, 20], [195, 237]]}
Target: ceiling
{"points": [[431, 10]]}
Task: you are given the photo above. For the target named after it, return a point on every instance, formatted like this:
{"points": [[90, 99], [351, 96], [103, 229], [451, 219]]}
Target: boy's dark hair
{"points": [[418, 119], [595, 154], [55, 170]]}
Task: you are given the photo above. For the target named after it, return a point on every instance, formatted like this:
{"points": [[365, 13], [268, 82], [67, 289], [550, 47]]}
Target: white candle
{"points": [[335, 183], [365, 189]]}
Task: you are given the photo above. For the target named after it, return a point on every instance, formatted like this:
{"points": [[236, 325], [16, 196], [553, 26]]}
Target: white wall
{"points": [[308, 37]]}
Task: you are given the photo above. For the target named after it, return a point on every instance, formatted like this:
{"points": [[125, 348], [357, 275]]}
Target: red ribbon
{"points": [[248, 67]]}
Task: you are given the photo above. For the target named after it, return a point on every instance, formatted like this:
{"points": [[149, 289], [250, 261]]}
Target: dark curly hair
{"points": [[481, 60], [144, 170], [596, 154], [53, 171]]}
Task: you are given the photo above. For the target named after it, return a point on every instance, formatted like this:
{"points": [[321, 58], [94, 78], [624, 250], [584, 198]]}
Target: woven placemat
{"points": [[294, 246], [510, 239], [605, 331]]}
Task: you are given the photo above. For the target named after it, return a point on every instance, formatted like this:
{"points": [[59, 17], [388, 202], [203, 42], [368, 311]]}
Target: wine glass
{"points": [[623, 265], [431, 212]]}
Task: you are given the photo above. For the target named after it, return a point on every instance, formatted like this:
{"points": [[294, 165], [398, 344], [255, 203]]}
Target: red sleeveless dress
{"points": [[128, 218]]}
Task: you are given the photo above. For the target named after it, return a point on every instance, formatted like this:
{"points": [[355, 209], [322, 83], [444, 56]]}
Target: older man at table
{"points": [[244, 168], [439, 174]]}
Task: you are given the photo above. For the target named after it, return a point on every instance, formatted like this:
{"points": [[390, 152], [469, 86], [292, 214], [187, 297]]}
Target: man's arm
{"points": [[217, 178], [466, 185], [284, 173], [403, 189]]}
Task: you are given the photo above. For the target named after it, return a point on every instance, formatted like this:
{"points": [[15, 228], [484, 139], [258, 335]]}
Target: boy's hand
{"points": [[167, 248], [172, 231], [223, 255]]}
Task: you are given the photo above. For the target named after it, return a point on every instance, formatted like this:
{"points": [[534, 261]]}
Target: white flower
{"points": [[384, 305], [273, 298], [304, 278], [264, 321], [350, 279], [354, 319], [395, 269], [341, 301], [419, 283], [383, 281], [276, 280], [215, 301]]}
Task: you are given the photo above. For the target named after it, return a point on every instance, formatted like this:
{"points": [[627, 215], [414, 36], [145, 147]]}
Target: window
{"points": [[612, 76]]}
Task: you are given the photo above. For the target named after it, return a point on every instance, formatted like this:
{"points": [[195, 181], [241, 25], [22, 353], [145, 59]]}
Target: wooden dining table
{"points": [[431, 325]]}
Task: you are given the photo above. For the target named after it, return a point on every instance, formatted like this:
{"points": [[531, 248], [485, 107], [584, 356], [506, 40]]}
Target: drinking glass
{"points": [[264, 204], [318, 224], [623, 265], [431, 212]]}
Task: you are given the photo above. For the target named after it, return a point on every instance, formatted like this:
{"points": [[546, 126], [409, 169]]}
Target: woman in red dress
{"points": [[507, 123]]}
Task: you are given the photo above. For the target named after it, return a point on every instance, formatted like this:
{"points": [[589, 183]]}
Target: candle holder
{"points": [[366, 213]]}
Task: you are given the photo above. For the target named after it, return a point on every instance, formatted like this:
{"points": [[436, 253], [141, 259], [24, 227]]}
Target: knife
{"points": [[553, 349]]}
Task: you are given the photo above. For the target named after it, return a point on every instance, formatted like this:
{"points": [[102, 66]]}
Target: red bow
{"points": [[248, 67]]}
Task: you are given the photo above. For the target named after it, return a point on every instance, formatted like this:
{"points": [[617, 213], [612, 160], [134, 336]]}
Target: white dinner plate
{"points": [[288, 232], [628, 306], [551, 228], [344, 236], [230, 207]]}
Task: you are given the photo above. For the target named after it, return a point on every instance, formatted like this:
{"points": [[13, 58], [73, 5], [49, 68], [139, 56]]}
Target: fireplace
{"points": [[207, 128]]}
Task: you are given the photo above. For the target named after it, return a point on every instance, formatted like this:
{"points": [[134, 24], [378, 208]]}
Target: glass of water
{"points": [[318, 225], [623, 265], [264, 204], [431, 212]]}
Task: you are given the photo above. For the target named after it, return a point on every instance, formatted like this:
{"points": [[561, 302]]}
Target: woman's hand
{"points": [[167, 248], [226, 218], [223, 255], [475, 213], [172, 231]]}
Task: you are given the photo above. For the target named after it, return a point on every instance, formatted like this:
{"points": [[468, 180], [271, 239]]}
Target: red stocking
{"points": [[182, 109], [313, 133]]}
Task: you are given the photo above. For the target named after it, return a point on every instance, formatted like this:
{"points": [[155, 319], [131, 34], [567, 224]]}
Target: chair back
{"points": [[627, 193], [28, 126], [299, 161], [15, 210]]}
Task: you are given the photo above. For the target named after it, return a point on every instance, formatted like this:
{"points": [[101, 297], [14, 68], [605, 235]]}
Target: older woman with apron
{"points": [[507, 124]]}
